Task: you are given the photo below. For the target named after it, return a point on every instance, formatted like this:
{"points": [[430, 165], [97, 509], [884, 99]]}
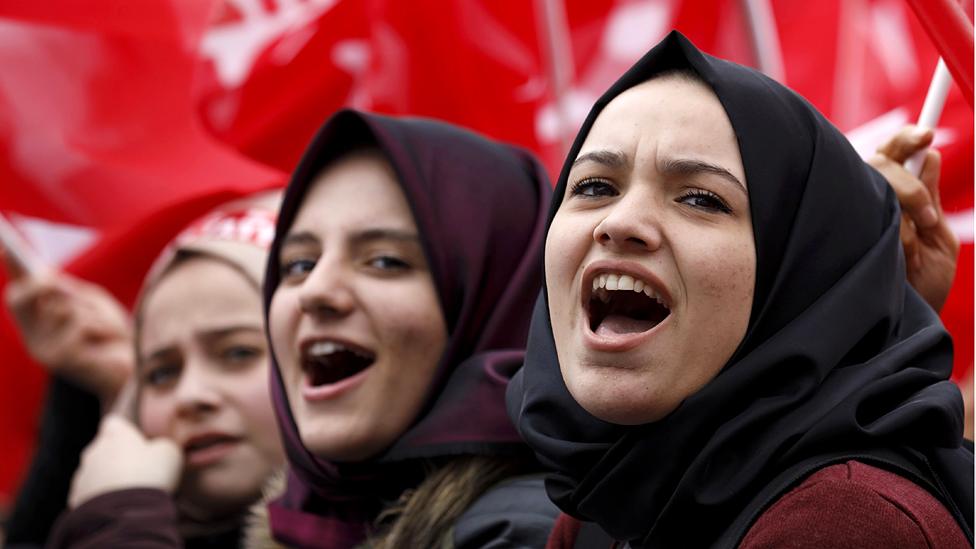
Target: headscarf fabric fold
{"points": [[480, 210], [841, 357]]}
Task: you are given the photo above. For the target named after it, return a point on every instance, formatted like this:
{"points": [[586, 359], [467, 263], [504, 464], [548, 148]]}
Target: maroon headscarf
{"points": [[480, 208]]}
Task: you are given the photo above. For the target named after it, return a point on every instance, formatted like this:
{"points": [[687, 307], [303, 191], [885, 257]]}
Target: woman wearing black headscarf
{"points": [[398, 294], [726, 351]]}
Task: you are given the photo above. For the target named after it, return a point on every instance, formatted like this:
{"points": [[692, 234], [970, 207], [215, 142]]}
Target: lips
{"points": [[208, 448], [622, 304], [329, 361], [333, 366]]}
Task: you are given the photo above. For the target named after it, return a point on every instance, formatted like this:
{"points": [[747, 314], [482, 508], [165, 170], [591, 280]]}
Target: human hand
{"points": [[74, 328], [120, 458], [931, 248]]}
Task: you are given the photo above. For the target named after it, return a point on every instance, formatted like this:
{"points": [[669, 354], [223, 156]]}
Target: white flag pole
{"points": [[557, 43], [931, 111], [765, 38], [18, 249]]}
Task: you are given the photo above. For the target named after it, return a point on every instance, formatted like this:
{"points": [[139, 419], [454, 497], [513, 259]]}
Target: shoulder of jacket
{"points": [[516, 512], [856, 504]]}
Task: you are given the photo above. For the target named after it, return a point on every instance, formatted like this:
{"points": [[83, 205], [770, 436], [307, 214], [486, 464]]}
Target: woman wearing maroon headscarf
{"points": [[398, 294]]}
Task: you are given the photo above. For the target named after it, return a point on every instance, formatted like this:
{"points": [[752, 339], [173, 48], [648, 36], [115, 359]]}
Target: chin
{"points": [[222, 493], [231, 494], [622, 412], [610, 395], [339, 446]]}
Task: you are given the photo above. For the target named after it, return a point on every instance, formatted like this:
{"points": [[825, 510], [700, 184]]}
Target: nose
{"points": [[325, 292], [196, 393], [632, 224]]}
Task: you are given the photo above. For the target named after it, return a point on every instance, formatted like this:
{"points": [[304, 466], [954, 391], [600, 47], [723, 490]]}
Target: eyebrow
{"points": [[366, 235], [160, 353], [690, 166], [299, 238], [611, 159], [671, 166], [224, 331], [207, 335], [370, 235]]}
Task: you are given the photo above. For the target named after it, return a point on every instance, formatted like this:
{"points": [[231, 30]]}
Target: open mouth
{"points": [[623, 304], [328, 362]]}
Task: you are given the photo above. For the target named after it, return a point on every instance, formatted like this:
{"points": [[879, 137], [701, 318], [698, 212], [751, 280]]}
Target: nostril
{"points": [[318, 308], [605, 238], [325, 306], [196, 403]]}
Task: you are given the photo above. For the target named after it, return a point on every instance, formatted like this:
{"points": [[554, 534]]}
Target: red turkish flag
{"points": [[870, 74], [102, 157]]}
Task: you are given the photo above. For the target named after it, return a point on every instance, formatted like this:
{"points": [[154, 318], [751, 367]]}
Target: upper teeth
{"points": [[322, 348], [611, 282]]}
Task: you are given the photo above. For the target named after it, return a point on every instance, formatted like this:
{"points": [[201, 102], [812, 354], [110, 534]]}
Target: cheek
{"points": [[255, 397], [155, 416], [411, 321], [254, 388], [565, 246], [281, 324], [411, 327], [726, 280], [723, 274]]}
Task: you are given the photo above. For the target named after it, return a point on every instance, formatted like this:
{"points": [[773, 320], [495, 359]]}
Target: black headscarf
{"points": [[841, 358], [479, 207]]}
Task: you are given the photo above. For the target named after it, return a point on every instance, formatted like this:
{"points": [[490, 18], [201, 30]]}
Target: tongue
{"points": [[619, 324]]}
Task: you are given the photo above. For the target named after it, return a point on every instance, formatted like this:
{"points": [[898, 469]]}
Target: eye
{"points": [[593, 187], [240, 353], [162, 375], [388, 263], [296, 268], [704, 200]]}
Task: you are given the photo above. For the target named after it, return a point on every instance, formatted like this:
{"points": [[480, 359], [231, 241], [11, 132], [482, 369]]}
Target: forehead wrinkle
{"points": [[610, 158]]}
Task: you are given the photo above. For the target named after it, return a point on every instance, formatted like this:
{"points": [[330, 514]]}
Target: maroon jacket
{"points": [[856, 505], [134, 518], [846, 505]]}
